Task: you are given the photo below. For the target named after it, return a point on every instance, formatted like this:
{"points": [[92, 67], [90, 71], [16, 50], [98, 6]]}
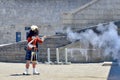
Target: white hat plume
{"points": [[33, 27]]}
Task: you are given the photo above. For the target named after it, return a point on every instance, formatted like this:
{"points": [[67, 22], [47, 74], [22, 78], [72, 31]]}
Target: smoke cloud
{"points": [[107, 39]]}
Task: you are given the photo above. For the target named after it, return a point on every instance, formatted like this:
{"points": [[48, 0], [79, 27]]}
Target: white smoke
{"points": [[72, 36], [108, 39]]}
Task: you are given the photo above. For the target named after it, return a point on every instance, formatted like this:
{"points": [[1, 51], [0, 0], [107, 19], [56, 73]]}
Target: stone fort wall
{"points": [[15, 15], [94, 12]]}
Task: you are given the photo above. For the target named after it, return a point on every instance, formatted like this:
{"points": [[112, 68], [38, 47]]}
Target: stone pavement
{"points": [[86, 71]]}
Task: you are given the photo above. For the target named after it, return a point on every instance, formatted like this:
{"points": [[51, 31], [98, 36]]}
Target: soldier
{"points": [[32, 49]]}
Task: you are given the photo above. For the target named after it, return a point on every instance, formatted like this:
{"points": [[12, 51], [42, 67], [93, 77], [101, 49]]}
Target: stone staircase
{"points": [[15, 52]]}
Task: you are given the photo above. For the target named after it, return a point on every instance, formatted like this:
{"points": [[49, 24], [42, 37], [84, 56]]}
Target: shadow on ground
{"points": [[114, 73], [19, 75]]}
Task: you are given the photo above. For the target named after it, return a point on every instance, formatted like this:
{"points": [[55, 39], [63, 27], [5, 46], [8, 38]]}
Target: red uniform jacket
{"points": [[34, 42]]}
